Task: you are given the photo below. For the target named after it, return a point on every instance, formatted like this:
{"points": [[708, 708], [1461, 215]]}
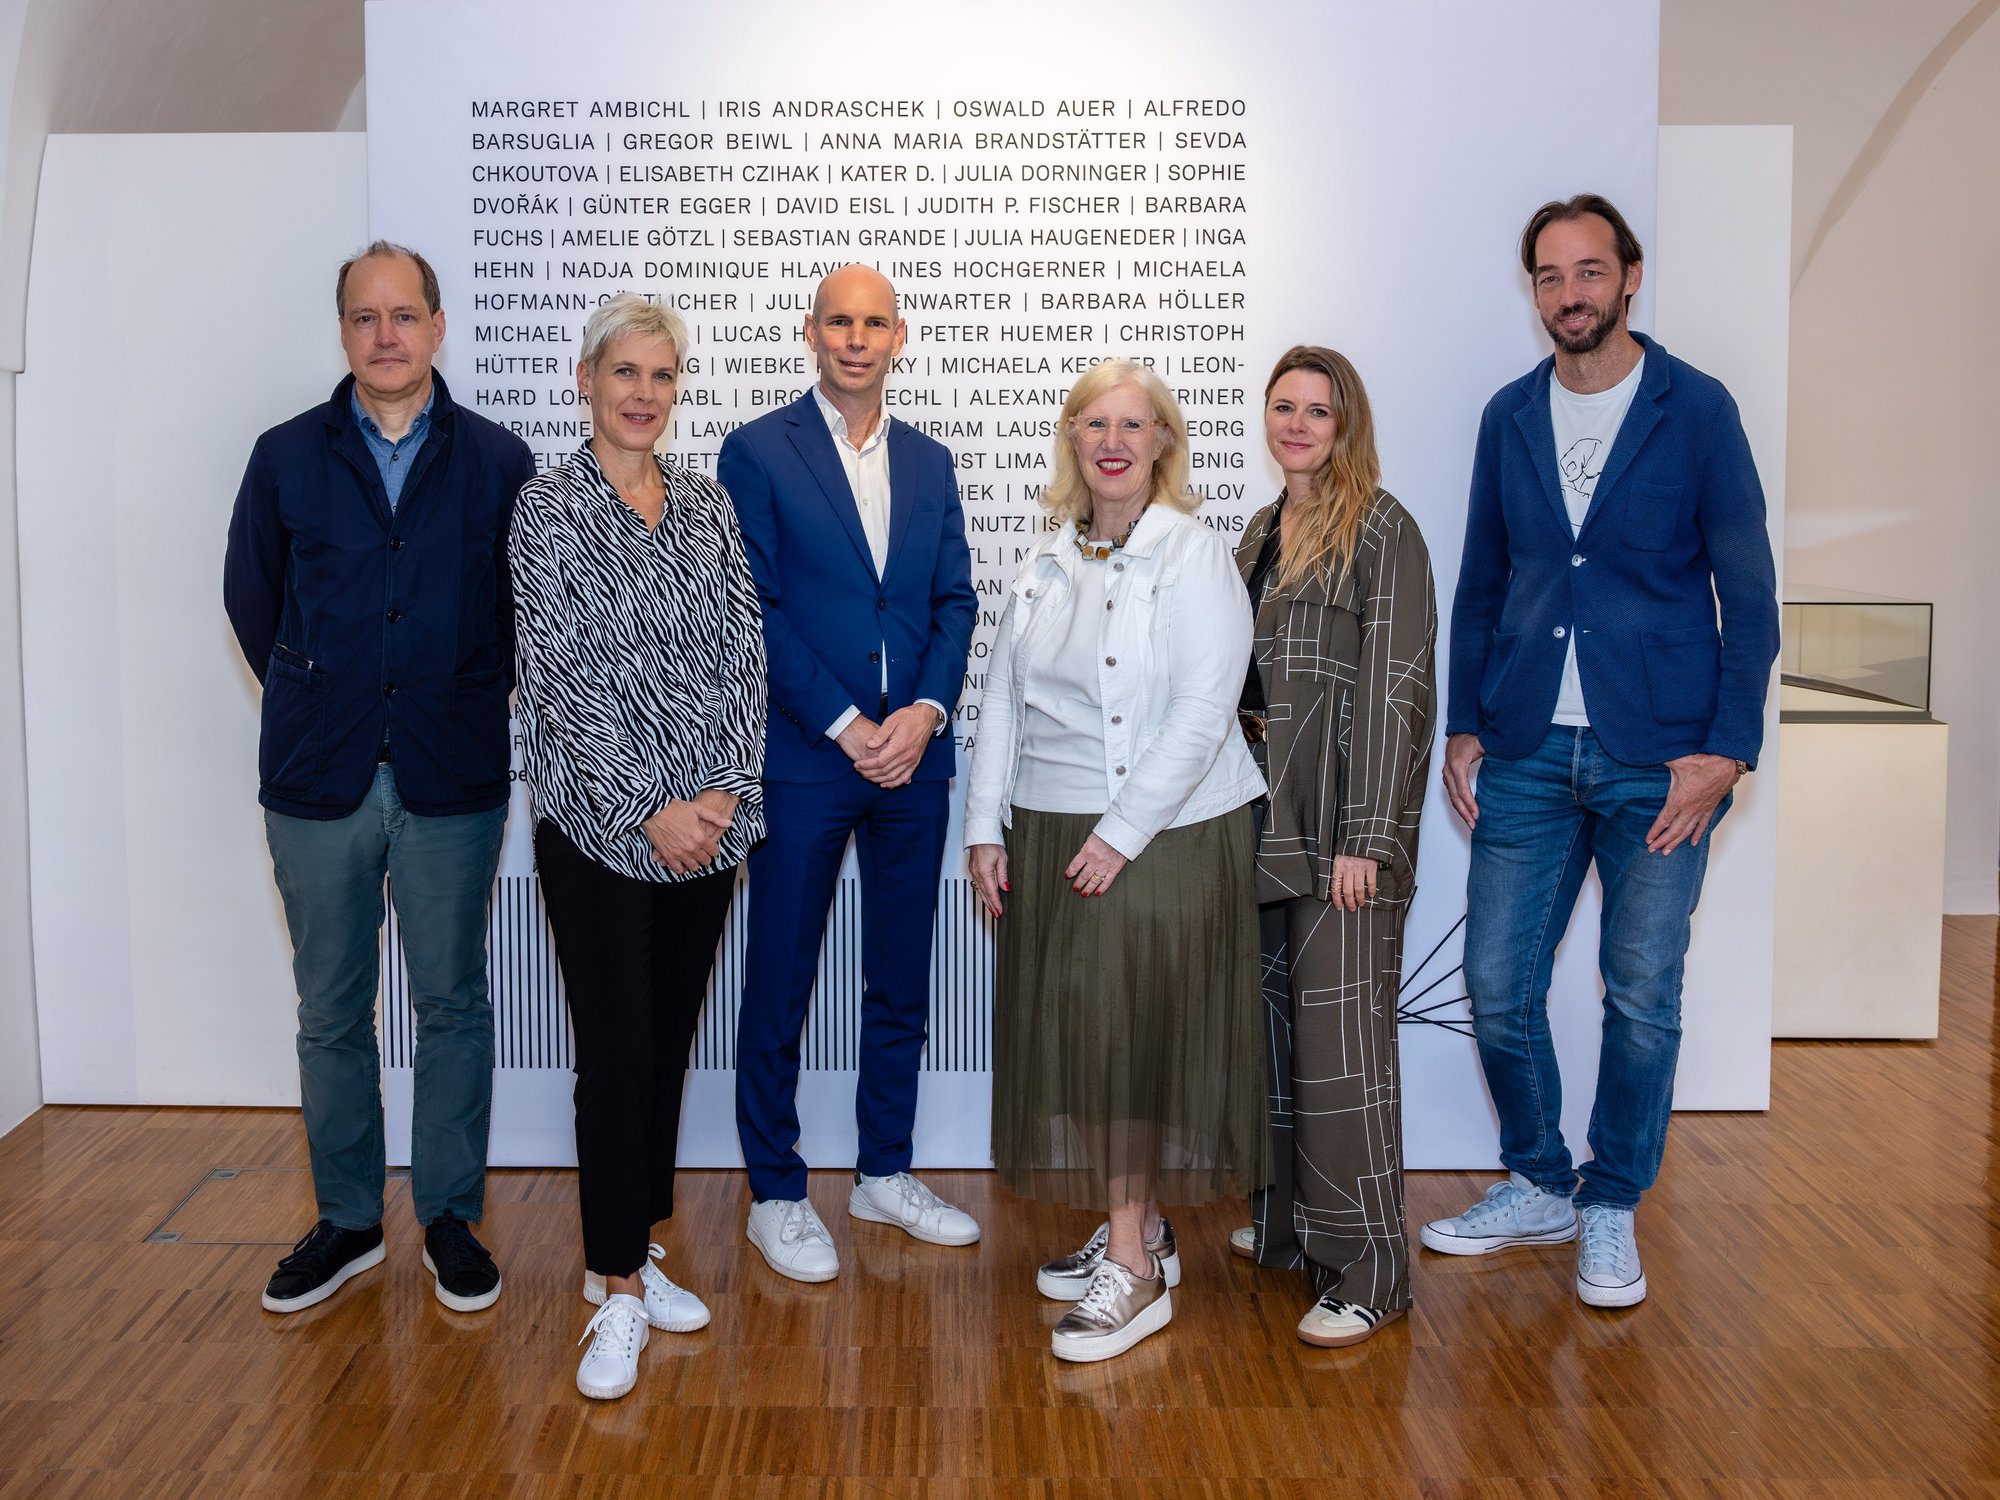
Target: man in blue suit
{"points": [[857, 544], [1614, 507]]}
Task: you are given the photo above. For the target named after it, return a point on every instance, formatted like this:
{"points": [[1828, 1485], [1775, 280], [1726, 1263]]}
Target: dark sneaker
{"points": [[320, 1264], [467, 1279]]}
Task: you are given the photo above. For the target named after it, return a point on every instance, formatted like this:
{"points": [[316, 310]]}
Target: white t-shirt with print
{"points": [[1586, 426]]}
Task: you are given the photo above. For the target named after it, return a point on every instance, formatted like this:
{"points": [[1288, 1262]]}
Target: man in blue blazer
{"points": [[367, 583], [857, 544], [1615, 511]]}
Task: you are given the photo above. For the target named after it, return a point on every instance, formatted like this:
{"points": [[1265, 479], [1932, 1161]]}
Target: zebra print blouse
{"points": [[641, 661]]}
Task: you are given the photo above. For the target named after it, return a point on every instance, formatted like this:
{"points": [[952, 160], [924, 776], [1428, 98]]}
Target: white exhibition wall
{"points": [[161, 963]]}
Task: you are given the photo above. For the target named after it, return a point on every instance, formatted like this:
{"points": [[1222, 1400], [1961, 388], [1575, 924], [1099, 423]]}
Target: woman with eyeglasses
{"points": [[1338, 699], [1109, 830]]}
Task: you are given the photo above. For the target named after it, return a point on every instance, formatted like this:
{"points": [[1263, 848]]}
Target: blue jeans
{"points": [[1542, 820], [441, 878]]}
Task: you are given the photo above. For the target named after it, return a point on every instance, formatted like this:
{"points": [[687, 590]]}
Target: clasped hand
{"points": [[887, 753], [687, 836]]}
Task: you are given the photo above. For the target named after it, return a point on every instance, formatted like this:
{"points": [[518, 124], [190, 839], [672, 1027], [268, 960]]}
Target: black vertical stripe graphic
{"points": [[531, 1027]]}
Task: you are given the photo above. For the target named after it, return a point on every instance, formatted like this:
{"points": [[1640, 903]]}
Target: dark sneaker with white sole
{"points": [[467, 1279], [321, 1264]]}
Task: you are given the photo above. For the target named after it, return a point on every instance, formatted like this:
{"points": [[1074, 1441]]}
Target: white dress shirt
{"points": [[867, 470]]}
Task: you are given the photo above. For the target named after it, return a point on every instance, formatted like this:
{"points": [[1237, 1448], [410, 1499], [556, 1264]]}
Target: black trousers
{"points": [[635, 956]]}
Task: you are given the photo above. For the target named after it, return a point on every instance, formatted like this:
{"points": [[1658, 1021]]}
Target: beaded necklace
{"points": [[1098, 551]]}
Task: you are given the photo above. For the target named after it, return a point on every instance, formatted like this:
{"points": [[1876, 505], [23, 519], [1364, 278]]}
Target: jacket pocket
{"points": [[1683, 668], [290, 741], [1499, 667], [1652, 516], [478, 715]]}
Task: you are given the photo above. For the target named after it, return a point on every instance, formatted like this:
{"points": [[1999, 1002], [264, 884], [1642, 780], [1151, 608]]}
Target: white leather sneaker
{"points": [[669, 1308], [913, 1208], [610, 1365], [792, 1239]]}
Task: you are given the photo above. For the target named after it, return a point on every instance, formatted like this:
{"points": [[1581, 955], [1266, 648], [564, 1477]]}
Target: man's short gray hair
{"points": [[629, 315]]}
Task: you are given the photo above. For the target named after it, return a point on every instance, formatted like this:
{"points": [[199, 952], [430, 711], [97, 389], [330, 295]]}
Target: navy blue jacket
{"points": [[357, 619], [827, 616], [1675, 528]]}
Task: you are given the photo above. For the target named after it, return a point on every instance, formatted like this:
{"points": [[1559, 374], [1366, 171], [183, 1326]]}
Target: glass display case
{"points": [[1854, 656]]}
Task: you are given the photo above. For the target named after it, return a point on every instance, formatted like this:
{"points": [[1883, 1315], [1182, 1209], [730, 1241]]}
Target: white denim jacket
{"points": [[1172, 655]]}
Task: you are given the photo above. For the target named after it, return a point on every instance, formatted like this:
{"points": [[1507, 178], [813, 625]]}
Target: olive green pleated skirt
{"points": [[1127, 1028]]}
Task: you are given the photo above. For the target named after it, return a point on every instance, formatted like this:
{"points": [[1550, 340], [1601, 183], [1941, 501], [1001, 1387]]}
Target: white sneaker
{"points": [[610, 1365], [1514, 1212], [1331, 1323], [792, 1239], [901, 1200], [1607, 1262], [669, 1308]]}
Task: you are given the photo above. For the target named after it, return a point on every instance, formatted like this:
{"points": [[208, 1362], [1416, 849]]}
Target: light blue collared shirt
{"points": [[393, 459]]}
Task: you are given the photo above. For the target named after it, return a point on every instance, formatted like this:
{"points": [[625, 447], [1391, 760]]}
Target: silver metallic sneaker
{"points": [[1607, 1262], [1116, 1312], [1068, 1278], [1514, 1212]]}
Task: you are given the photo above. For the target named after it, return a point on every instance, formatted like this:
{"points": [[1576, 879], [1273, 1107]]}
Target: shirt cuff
{"points": [[944, 719], [840, 724], [1122, 836]]}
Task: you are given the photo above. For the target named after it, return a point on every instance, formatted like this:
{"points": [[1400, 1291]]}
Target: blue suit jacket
{"points": [[1675, 528], [827, 616]]}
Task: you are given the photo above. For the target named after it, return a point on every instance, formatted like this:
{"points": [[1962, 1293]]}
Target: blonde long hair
{"points": [[1323, 527], [1067, 497]]}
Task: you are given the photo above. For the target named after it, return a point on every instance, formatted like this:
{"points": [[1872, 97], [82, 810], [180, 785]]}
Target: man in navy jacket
{"points": [[367, 583], [1615, 511], [857, 543]]}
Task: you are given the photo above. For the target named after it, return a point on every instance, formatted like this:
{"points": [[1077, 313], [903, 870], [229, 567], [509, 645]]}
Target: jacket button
{"points": [[1118, 567], [1031, 593], [1560, 632], [1121, 770], [1118, 718], [881, 603], [874, 657], [1110, 661], [1576, 560], [388, 690], [395, 544], [395, 615], [1107, 604]]}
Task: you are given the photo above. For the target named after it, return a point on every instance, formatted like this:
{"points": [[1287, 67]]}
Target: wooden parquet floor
{"points": [[1823, 1323]]}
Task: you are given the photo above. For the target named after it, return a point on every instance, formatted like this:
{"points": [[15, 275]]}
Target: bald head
{"points": [[856, 334], [851, 279]]}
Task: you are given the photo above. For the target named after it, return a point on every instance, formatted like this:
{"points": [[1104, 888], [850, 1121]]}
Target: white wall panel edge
{"points": [[162, 971], [1722, 268]]}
